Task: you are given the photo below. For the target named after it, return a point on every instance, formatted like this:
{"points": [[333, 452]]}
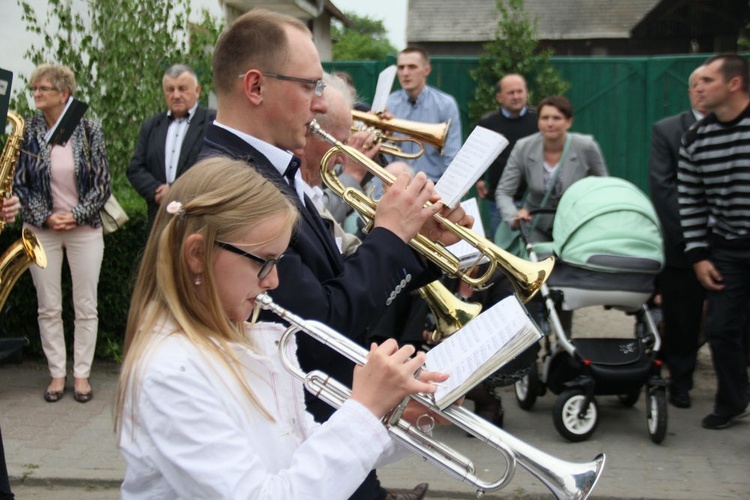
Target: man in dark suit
{"points": [[169, 143], [681, 293], [268, 80]]}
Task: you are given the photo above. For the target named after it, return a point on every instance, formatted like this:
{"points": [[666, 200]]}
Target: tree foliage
{"points": [[367, 40], [119, 50], [744, 39], [514, 50]]}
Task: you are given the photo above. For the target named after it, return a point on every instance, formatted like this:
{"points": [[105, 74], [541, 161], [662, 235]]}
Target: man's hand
{"points": [[436, 232], [364, 142], [10, 209], [708, 275], [482, 190], [385, 115], [403, 209], [161, 193]]}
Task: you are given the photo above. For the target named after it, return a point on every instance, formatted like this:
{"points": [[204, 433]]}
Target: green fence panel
{"points": [[363, 73], [607, 97], [616, 99]]}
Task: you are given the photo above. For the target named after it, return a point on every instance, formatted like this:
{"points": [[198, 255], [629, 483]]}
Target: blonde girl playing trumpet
{"points": [[204, 408]]}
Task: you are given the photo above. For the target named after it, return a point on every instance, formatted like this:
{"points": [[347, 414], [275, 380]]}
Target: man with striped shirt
{"points": [[713, 180]]}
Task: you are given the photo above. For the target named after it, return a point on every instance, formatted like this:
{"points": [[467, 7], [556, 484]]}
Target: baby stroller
{"points": [[609, 248]]}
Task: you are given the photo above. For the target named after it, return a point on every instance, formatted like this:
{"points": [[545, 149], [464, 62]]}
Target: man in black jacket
{"points": [[681, 293], [169, 142], [268, 80]]}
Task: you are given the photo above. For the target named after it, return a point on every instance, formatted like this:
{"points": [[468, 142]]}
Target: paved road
{"points": [[67, 450]]}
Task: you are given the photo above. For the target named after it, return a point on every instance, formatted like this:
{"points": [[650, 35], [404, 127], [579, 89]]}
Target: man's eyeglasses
{"points": [[42, 89], [320, 85], [266, 265]]}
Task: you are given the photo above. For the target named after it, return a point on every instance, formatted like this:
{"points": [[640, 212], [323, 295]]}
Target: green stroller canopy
{"points": [[608, 224]]}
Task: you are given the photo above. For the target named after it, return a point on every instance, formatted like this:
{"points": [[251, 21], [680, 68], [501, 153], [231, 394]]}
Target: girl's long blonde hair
{"points": [[218, 198]]}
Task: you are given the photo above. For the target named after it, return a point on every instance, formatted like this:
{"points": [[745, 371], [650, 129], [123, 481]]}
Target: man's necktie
{"points": [[291, 170]]}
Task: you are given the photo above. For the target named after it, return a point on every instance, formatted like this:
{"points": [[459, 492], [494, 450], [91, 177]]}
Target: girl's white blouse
{"points": [[194, 434]]}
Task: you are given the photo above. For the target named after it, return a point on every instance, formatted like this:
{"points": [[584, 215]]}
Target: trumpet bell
{"points": [[450, 312]]}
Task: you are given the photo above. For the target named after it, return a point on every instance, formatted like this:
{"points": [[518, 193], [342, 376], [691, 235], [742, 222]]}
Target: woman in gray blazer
{"points": [[553, 153]]}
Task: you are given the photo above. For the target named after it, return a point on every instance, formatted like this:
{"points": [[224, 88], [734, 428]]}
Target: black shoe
{"points": [[680, 399], [54, 396], [715, 421], [83, 397], [417, 493]]}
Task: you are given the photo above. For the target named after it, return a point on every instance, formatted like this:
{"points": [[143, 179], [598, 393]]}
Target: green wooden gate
{"points": [[616, 99]]}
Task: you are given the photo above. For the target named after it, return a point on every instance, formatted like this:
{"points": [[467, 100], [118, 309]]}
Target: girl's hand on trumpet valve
{"points": [[388, 377]]}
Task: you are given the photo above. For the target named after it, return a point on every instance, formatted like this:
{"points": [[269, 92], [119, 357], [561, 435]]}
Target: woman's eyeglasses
{"points": [[42, 89], [266, 265]]}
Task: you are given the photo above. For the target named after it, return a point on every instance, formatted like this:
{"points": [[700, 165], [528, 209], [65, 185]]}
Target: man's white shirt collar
{"points": [[279, 158], [190, 114]]}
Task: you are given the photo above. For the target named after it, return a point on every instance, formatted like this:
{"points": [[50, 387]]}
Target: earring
{"points": [[197, 281]]}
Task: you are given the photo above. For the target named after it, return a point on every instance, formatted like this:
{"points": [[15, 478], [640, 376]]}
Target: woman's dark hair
{"points": [[561, 103]]}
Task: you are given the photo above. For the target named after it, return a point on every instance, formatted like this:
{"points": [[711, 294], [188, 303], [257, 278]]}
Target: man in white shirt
{"points": [[419, 102], [169, 142]]}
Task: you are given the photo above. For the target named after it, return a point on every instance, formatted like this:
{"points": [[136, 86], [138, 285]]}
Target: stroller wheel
{"points": [[527, 388], [629, 399], [656, 415], [567, 419]]}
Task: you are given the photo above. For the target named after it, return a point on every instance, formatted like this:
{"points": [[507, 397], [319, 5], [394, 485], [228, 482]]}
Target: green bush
{"points": [[122, 250]]}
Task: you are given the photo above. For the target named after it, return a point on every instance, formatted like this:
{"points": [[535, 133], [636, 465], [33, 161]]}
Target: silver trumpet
{"points": [[566, 480]]}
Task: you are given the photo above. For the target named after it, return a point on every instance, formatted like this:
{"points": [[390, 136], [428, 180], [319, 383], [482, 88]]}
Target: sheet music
{"points": [[468, 351], [383, 89], [475, 156], [463, 250]]}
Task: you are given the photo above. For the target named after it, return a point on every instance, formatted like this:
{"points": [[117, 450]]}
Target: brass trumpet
{"points": [[416, 132], [564, 479], [527, 277]]}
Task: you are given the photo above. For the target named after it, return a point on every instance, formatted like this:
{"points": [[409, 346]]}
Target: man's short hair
{"points": [[412, 49], [176, 70], [256, 40], [732, 65], [500, 81]]}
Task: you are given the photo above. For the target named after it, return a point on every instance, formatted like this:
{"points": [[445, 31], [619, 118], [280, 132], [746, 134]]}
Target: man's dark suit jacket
{"points": [[146, 171], [317, 283], [666, 137]]}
